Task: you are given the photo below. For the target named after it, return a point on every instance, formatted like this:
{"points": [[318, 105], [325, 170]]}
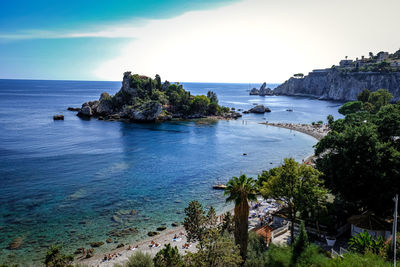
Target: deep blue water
{"points": [[63, 181]]}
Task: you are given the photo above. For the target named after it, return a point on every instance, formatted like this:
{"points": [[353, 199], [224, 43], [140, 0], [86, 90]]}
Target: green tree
{"points": [[298, 185], [212, 218], [55, 258], [330, 119], [371, 55], [379, 98], [194, 221], [213, 108], [200, 104], [240, 191], [168, 257], [228, 224], [158, 82], [300, 243], [388, 122], [359, 163], [364, 95], [350, 107], [215, 250], [212, 96]]}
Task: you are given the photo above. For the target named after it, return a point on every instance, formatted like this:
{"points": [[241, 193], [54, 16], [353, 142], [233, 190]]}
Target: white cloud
{"points": [[249, 41], [256, 41]]}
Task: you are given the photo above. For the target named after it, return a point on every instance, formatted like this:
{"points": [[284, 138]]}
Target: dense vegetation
{"points": [[297, 184], [360, 157], [173, 97]]}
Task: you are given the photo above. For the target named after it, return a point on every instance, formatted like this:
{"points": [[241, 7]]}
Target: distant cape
{"points": [[333, 84]]}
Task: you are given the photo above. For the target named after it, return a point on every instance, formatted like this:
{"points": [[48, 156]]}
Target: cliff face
{"points": [[336, 85]]}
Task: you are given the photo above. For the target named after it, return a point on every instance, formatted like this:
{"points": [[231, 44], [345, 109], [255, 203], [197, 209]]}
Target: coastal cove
{"points": [[74, 181]]}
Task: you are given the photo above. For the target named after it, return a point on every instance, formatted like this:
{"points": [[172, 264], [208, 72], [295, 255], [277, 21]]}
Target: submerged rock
{"points": [[116, 219], [152, 233], [79, 251], [73, 109], [96, 244], [58, 117], [175, 224], [161, 228], [16, 243]]}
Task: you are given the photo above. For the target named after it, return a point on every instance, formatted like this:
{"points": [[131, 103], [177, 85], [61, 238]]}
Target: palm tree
{"points": [[241, 190]]}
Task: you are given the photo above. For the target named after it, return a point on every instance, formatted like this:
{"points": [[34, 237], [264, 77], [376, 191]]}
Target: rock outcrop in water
{"points": [[259, 109], [142, 99], [332, 84], [263, 91]]}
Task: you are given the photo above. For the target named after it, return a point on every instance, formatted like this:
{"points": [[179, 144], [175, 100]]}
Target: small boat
{"points": [[219, 187], [290, 110]]}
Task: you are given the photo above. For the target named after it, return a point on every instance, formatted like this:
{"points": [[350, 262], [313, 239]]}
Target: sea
{"points": [[79, 181]]}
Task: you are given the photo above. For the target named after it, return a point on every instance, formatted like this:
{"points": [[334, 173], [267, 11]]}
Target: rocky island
{"points": [[263, 91], [143, 99], [345, 81]]}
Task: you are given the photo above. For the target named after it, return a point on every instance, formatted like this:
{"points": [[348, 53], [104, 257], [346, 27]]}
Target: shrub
{"points": [[168, 257], [256, 251], [364, 242], [140, 259], [279, 256], [54, 257], [358, 260]]}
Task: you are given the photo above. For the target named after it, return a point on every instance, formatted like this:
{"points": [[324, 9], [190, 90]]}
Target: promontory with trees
{"points": [[143, 99]]}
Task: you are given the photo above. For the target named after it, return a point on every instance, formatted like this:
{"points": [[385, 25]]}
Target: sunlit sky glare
{"points": [[245, 41]]}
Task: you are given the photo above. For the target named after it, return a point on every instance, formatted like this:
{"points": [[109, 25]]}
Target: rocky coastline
{"points": [[142, 99], [334, 84]]}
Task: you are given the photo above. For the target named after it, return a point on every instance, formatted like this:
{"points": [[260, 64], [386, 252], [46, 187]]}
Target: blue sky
{"points": [[26, 53], [189, 40]]}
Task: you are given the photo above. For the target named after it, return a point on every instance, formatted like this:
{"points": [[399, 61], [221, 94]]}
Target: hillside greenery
{"points": [[174, 98], [360, 156]]}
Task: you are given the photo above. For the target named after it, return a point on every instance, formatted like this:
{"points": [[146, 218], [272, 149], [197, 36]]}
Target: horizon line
{"points": [[71, 80]]}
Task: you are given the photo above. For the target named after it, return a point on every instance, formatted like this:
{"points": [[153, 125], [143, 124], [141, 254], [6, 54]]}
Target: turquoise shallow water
{"points": [[62, 182]]}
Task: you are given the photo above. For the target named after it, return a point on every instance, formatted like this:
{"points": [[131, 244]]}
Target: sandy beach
{"points": [[318, 131], [122, 254]]}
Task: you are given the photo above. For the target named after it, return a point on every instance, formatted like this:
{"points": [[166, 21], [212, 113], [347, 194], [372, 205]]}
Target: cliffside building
{"points": [[346, 63]]}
